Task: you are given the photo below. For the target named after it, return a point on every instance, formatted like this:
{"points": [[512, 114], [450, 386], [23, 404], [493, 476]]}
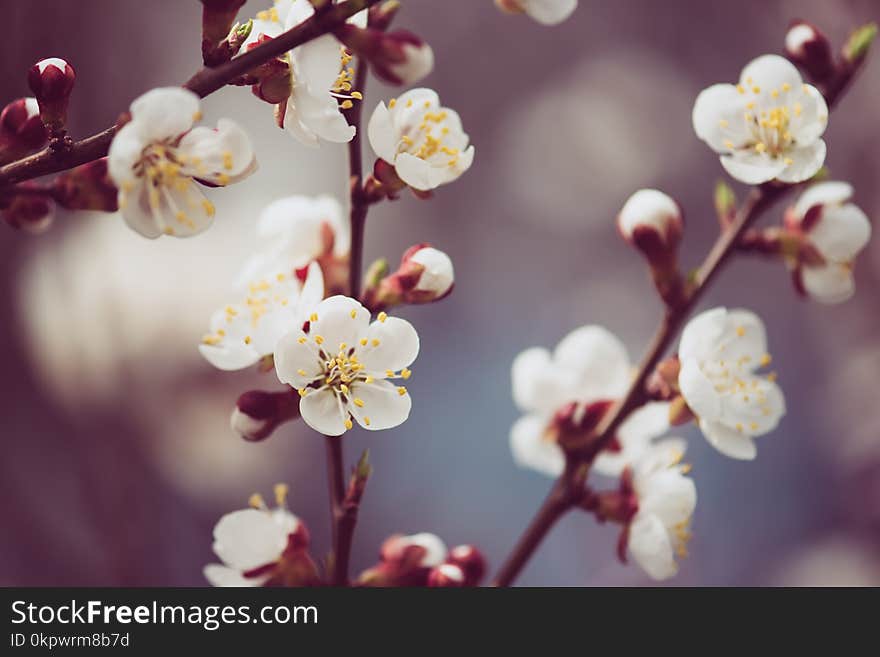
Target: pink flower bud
{"points": [[425, 275], [30, 213], [446, 575], [258, 413], [51, 80], [436, 276], [471, 562], [399, 57], [807, 47], [21, 129]]}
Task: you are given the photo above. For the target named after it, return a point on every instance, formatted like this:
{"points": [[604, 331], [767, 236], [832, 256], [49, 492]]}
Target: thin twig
{"points": [[358, 201], [205, 82], [336, 488]]}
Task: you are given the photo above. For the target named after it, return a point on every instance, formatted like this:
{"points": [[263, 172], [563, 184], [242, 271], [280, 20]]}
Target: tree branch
{"points": [[555, 506], [358, 200], [205, 82]]}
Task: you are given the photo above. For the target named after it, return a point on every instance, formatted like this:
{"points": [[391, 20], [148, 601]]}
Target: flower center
{"points": [[768, 120], [425, 139]]}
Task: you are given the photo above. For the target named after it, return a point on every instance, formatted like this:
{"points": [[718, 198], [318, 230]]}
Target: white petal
{"points": [[323, 412], [700, 336], [806, 162], [698, 391], [320, 114], [383, 404], [824, 193], [312, 290], [770, 72], [717, 117], [550, 12], [164, 113], [184, 211], [536, 385], [219, 156], [635, 436], [810, 122], [293, 356], [597, 359], [752, 168], [125, 151], [744, 339], [728, 441], [218, 575], [531, 450], [415, 172], [651, 546], [135, 209], [755, 409], [317, 63], [229, 357], [249, 538], [340, 320], [398, 345], [841, 232], [831, 283], [669, 495], [381, 133]]}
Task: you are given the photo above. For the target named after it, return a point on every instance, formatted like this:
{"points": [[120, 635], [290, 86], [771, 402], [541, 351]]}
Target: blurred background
{"points": [[117, 454]]}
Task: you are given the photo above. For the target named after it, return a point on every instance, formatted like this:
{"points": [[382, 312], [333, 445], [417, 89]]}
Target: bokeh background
{"points": [[117, 457]]}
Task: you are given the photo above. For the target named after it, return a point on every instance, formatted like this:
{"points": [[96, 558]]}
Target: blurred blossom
{"points": [[837, 560], [587, 152]]}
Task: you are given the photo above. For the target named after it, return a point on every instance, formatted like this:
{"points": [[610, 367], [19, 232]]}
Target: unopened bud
{"points": [[51, 80], [446, 575], [87, 187], [31, 213], [218, 17], [399, 57], [21, 129], [574, 423], [258, 412], [425, 275], [471, 562], [652, 222], [381, 15], [807, 47]]}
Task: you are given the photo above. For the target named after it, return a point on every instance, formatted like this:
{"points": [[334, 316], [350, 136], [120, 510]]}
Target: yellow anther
{"points": [[772, 377], [223, 179], [256, 501], [364, 342], [723, 123], [369, 380], [342, 346], [357, 95], [753, 426], [788, 161], [409, 103], [319, 339], [302, 339], [382, 316], [281, 494], [346, 104], [405, 373], [401, 391], [392, 102], [366, 420], [741, 89], [248, 339], [344, 388], [766, 359], [353, 313], [740, 331], [375, 342], [389, 373], [348, 424], [227, 160], [728, 144], [786, 86], [302, 372], [313, 317], [760, 147], [739, 427], [756, 89], [358, 402], [197, 116]]}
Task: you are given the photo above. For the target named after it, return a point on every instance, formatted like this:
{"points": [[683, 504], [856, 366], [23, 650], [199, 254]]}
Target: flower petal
{"points": [[384, 405], [805, 162], [218, 575], [717, 117], [597, 359], [391, 345], [550, 12], [317, 63], [382, 135], [755, 408], [249, 538], [125, 151], [700, 336], [164, 113], [698, 391], [134, 206], [752, 168], [651, 546], [831, 283], [229, 357], [634, 436], [323, 412], [824, 193], [769, 72], [841, 232], [669, 495], [219, 156], [339, 320], [728, 441], [536, 385], [293, 357], [531, 450], [319, 114]]}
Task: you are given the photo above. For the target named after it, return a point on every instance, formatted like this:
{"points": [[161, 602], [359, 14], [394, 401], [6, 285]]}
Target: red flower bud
{"points": [[29, 212], [258, 412], [21, 129], [471, 562], [51, 80], [425, 275], [446, 575], [807, 47]]}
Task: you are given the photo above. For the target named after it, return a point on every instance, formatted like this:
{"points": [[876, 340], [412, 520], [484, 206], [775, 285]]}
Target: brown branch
{"points": [[336, 487], [359, 203], [205, 82], [556, 504]]}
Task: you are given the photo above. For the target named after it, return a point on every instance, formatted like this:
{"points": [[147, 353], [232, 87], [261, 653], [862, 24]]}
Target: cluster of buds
{"points": [[21, 129], [422, 560], [652, 222], [258, 413], [51, 81], [425, 275], [221, 36], [398, 57]]}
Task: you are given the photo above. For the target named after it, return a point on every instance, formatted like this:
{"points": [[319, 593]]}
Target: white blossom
{"points": [[438, 274], [247, 542], [589, 364], [768, 126], [320, 75], [156, 159], [343, 367], [837, 230], [546, 12], [666, 498], [242, 334], [650, 209], [720, 353], [423, 140]]}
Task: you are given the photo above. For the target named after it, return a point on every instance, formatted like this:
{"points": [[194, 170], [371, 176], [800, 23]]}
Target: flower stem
{"points": [[205, 82], [555, 506], [358, 200], [336, 488]]}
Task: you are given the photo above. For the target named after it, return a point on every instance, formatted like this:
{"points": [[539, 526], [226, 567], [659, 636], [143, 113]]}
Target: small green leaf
{"points": [[725, 199], [859, 41]]}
